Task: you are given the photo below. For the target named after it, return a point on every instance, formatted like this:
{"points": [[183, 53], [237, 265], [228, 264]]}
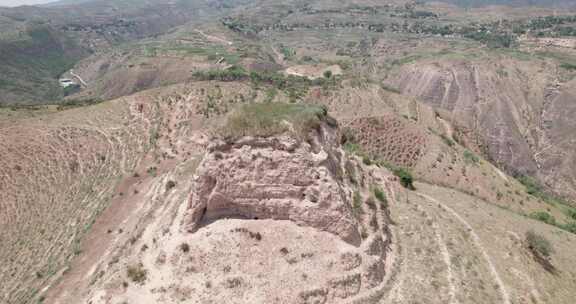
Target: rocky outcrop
{"points": [[277, 178]]}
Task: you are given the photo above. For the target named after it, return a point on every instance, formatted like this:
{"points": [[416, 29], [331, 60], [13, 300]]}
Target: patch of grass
{"points": [[534, 188], [379, 194], [544, 217], [448, 141], [271, 94], [570, 227], [549, 219], [295, 87], [351, 148], [137, 273], [568, 66], [75, 103], [288, 52], [152, 171], [269, 119], [571, 213], [565, 61], [234, 73], [471, 158]]}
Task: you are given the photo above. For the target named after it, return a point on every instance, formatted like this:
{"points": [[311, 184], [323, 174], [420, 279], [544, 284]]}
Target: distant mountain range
{"points": [[543, 3]]}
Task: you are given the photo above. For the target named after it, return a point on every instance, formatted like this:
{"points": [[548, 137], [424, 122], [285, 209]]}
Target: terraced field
{"points": [[58, 173]]}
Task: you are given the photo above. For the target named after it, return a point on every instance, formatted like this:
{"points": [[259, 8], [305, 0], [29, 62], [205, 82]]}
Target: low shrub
{"points": [[170, 185], [538, 244], [184, 247], [570, 227], [366, 160], [137, 273]]}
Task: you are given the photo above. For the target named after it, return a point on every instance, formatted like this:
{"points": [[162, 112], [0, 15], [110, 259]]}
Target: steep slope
{"points": [[513, 111], [61, 170], [32, 62], [160, 227], [58, 173], [392, 130], [268, 218], [163, 197], [39, 44]]}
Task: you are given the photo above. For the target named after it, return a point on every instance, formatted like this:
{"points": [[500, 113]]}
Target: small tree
{"points": [[406, 179], [328, 74]]}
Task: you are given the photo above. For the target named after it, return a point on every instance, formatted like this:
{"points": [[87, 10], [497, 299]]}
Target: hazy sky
{"points": [[22, 2]]}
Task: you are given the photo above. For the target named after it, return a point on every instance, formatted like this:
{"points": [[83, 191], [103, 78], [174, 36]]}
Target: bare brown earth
{"points": [[305, 241], [62, 170], [441, 244], [508, 109], [88, 193]]}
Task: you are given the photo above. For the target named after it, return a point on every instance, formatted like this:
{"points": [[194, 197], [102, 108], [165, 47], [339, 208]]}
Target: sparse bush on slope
{"points": [[539, 244], [406, 179], [137, 273], [541, 249], [471, 158]]}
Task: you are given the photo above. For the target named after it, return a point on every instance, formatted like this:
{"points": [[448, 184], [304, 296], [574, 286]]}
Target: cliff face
{"points": [[276, 178]]}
